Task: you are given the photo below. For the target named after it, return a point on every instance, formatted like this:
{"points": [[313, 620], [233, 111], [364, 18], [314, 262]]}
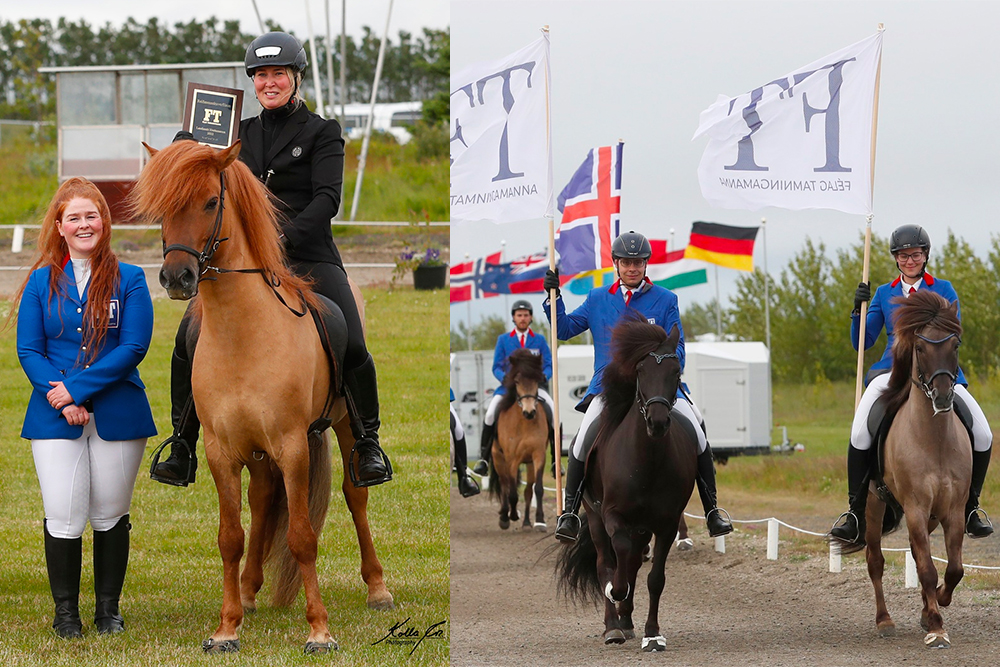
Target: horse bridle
{"points": [[925, 383], [645, 403], [212, 245]]}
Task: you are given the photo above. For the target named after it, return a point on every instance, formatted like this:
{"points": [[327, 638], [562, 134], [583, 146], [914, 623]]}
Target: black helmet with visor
{"points": [[275, 48], [631, 245], [522, 304]]}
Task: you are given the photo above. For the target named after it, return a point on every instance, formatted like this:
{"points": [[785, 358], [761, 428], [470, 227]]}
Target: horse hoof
{"points": [[220, 645], [937, 640], [383, 603], [249, 610], [687, 544], [887, 629], [504, 524], [629, 633], [658, 643], [614, 636], [541, 528], [320, 648]]}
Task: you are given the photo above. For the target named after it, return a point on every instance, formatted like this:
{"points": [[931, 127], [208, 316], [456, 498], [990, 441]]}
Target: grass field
{"points": [[173, 590]]}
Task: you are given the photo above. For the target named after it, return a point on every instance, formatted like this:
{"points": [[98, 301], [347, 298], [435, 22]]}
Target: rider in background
{"points": [[521, 336], [299, 156], [466, 485], [603, 308], [910, 247]]}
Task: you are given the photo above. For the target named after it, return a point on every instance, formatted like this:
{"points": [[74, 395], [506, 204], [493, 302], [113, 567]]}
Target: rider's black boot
{"points": [[718, 525], [466, 485], [110, 563], [852, 530], [975, 525], [179, 468], [482, 466], [372, 462], [63, 559], [568, 524]]}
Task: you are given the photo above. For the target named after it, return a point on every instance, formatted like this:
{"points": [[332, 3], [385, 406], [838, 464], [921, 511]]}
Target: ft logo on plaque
{"points": [[212, 114]]}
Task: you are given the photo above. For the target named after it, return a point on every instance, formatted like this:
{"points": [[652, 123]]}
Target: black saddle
{"points": [[332, 328]]}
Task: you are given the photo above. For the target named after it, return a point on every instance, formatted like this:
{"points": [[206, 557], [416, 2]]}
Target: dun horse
{"points": [[640, 475], [928, 456], [260, 379], [522, 433]]}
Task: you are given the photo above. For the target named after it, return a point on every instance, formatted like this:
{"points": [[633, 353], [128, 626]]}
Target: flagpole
{"points": [[718, 305], [767, 298], [858, 386], [468, 310], [503, 260]]}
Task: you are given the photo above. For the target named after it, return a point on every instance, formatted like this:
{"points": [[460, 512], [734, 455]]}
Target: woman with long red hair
{"points": [[84, 322]]}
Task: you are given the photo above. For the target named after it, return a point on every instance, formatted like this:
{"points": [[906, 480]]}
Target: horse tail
{"points": [[576, 568], [285, 575]]}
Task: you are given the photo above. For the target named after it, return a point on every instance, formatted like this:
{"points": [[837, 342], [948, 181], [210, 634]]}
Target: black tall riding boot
{"points": [[718, 525], [482, 466], [466, 485], [974, 525], [62, 559], [568, 524], [373, 465], [179, 468], [110, 562], [852, 530]]}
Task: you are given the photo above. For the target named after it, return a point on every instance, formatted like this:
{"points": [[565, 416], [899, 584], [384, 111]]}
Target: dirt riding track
{"points": [[730, 609]]}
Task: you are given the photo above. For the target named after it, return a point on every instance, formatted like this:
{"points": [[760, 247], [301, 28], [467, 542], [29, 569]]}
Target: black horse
{"points": [[640, 474]]}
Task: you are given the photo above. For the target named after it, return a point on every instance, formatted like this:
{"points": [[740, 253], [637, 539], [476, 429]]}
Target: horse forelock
{"points": [[631, 341], [921, 311], [522, 364]]}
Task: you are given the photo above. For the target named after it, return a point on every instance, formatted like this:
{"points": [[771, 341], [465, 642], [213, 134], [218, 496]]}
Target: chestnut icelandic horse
{"points": [[260, 379], [521, 437], [927, 458], [640, 475]]}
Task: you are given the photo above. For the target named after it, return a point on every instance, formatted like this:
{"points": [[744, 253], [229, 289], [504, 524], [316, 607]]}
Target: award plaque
{"points": [[212, 114]]}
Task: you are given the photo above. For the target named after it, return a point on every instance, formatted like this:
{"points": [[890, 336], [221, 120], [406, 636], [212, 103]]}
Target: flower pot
{"points": [[429, 277]]}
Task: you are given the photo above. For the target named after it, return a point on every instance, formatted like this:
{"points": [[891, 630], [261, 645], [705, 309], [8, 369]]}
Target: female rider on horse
{"points": [[602, 309], [910, 247], [299, 157]]}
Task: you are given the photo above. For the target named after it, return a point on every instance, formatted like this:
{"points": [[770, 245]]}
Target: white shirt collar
{"points": [[911, 288]]}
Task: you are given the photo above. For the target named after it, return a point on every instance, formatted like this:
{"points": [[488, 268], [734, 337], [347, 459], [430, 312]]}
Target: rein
{"points": [[645, 403], [212, 245], [925, 383]]}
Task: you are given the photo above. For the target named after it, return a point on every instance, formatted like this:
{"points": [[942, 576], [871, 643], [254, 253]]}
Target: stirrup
{"points": [[568, 521], [155, 456], [720, 511], [857, 527], [989, 523], [360, 483]]}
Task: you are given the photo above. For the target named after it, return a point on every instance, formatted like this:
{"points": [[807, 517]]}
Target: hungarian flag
{"points": [[722, 244], [666, 269]]}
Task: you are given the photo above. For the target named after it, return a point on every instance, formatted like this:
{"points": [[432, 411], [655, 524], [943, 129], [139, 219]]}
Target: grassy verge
{"points": [[173, 591]]}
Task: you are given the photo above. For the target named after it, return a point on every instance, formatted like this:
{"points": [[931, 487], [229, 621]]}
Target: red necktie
{"points": [[628, 297], [522, 340]]}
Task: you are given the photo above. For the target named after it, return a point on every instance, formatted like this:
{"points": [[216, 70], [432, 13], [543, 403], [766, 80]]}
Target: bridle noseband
{"points": [[925, 383], [212, 244], [645, 403]]}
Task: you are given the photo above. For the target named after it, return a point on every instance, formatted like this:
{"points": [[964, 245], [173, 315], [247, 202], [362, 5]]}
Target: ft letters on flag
{"points": [[501, 168], [798, 142]]}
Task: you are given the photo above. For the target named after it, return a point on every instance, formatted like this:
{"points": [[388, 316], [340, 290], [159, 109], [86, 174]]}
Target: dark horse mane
{"points": [[176, 175], [921, 309], [633, 338], [522, 363]]}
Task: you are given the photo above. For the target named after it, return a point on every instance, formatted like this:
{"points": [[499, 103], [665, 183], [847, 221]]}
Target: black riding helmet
{"points": [[907, 237], [275, 48], [521, 304], [631, 245]]}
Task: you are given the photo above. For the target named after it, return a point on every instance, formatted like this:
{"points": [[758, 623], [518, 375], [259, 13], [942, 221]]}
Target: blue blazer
{"points": [[507, 343], [879, 315], [602, 310], [49, 345]]}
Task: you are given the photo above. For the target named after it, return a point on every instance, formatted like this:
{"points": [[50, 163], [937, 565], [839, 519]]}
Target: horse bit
{"points": [[925, 384], [640, 399], [212, 245]]}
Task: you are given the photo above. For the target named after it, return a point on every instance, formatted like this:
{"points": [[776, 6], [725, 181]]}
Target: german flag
{"points": [[722, 244]]}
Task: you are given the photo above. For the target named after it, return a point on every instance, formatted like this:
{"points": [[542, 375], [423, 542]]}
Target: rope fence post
{"points": [[912, 581], [17, 244], [772, 539], [720, 544], [835, 566]]}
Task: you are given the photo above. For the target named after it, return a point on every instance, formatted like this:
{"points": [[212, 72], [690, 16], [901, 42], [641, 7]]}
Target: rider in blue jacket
{"points": [[521, 336], [910, 247], [601, 311]]}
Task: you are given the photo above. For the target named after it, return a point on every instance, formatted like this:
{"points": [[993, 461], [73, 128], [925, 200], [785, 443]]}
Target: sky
{"points": [[643, 71], [410, 15]]}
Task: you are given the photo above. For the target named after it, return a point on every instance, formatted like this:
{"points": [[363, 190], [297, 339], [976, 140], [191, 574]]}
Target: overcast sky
{"points": [[642, 71], [410, 15]]}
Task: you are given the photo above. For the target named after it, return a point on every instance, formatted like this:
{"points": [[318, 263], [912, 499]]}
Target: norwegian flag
{"points": [[520, 276], [591, 208], [464, 278]]}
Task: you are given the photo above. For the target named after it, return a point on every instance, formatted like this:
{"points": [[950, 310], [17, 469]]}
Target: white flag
{"points": [[501, 166], [801, 141]]}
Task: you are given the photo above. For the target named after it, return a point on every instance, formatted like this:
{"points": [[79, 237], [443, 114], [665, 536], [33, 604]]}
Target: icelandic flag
{"points": [[521, 276], [591, 212], [463, 278]]}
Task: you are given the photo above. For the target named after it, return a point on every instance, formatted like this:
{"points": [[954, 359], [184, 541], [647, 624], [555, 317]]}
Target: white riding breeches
{"points": [[491, 411], [86, 478], [688, 410], [457, 433], [862, 439]]}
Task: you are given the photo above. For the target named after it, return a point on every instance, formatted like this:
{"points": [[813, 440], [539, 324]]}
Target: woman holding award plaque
{"points": [[299, 156]]}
